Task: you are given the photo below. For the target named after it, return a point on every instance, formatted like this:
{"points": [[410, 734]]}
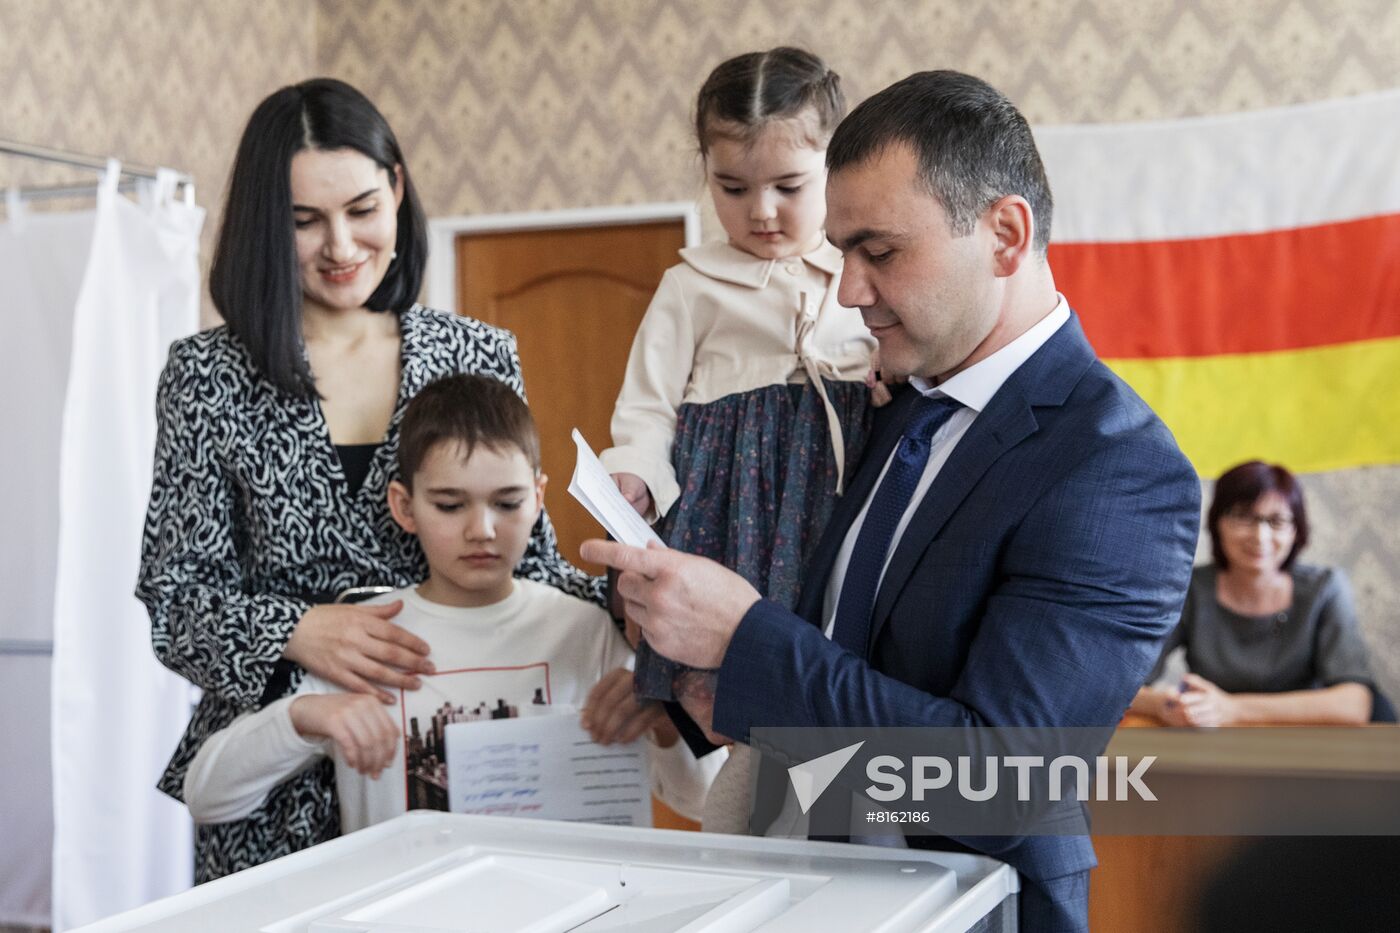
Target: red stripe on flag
{"points": [[1248, 293]]}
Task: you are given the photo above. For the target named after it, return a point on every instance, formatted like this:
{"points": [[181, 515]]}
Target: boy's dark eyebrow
{"points": [[458, 491], [359, 197]]}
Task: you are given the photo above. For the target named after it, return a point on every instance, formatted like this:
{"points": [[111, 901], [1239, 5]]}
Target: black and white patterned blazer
{"points": [[251, 523]]}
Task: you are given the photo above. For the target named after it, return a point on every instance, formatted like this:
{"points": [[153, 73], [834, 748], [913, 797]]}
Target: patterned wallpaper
{"points": [[508, 105], [538, 104], [159, 82]]}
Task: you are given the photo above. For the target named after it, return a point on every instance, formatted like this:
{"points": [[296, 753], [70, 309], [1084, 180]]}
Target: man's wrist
{"points": [[735, 673], [695, 683]]}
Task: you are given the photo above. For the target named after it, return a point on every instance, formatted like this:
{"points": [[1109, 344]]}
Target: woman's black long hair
{"points": [[254, 280]]}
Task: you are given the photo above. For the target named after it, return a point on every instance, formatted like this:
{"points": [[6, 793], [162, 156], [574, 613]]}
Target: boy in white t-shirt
{"points": [[470, 488]]}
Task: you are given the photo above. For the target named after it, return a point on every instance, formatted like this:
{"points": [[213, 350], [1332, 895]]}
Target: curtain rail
{"points": [[58, 192], [78, 160], [25, 646]]}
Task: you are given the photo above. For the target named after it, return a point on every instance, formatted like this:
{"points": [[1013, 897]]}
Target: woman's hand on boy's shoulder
{"points": [[612, 714], [365, 737], [358, 649]]}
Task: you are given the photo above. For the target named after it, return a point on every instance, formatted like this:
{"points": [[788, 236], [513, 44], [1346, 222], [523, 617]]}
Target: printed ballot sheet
{"points": [[546, 767], [595, 490]]}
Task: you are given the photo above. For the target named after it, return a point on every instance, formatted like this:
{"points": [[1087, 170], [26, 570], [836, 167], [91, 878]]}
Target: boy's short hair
{"points": [[468, 410]]}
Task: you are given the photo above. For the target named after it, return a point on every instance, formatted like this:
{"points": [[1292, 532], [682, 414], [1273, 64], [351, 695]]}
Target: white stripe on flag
{"points": [[1233, 173]]}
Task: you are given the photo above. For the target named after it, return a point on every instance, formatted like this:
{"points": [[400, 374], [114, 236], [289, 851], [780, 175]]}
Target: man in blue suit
{"points": [[1018, 539]]}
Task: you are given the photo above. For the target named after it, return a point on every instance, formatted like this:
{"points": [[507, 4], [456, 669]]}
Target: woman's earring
{"points": [[394, 255]]}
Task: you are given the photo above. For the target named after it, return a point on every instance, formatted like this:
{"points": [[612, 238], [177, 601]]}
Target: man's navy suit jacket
{"points": [[1033, 586]]}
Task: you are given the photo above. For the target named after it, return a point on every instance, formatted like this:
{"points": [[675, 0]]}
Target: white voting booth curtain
{"points": [[94, 300]]}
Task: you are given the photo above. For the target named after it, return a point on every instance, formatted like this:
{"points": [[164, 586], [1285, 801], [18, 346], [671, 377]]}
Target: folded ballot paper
{"points": [[595, 490]]}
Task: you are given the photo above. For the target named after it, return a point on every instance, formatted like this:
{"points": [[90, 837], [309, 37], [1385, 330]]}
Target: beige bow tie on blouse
{"points": [[818, 370]]}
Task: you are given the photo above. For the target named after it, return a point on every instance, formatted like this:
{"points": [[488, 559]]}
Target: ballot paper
{"points": [[594, 488], [546, 767]]}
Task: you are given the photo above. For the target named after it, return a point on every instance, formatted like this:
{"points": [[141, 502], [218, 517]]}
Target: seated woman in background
{"points": [[1267, 639]]}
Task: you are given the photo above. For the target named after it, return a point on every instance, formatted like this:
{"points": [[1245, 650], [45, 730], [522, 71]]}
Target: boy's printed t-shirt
{"points": [[535, 649]]}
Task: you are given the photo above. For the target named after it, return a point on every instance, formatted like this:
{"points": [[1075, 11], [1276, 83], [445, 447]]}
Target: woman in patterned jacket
{"points": [[277, 437]]}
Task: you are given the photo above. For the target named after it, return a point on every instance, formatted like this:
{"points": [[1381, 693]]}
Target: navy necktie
{"points": [[887, 506]]}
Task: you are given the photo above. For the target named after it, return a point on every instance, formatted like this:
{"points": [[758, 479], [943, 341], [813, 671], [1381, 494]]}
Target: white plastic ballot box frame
{"points": [[431, 872]]}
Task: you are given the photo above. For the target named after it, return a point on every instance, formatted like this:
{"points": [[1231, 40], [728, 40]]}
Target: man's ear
{"points": [[1013, 226], [401, 506]]}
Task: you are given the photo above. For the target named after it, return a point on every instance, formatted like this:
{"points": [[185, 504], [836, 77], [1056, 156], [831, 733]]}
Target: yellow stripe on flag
{"points": [[1325, 408]]}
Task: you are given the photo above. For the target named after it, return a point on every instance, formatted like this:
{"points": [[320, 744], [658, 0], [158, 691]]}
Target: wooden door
{"points": [[573, 298]]}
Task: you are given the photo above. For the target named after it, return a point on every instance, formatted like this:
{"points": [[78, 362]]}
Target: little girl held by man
{"points": [[748, 391]]}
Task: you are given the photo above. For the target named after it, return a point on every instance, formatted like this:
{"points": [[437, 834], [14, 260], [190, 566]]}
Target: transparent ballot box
{"points": [[429, 872]]}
